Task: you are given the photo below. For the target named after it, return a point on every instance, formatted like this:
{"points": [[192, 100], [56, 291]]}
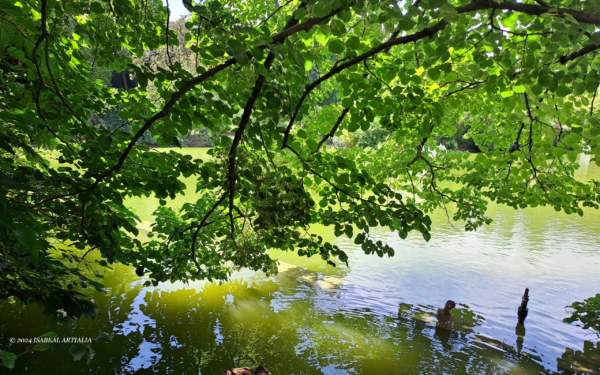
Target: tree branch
{"points": [[59, 93], [167, 34], [533, 10], [576, 54], [266, 149], [202, 223], [327, 180], [239, 133], [469, 86], [182, 91], [377, 78], [333, 130], [428, 32]]}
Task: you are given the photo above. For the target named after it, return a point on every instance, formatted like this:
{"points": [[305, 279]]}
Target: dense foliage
{"points": [[525, 74]]}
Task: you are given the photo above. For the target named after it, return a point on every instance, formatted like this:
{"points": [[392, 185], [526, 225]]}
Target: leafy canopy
{"points": [[285, 79]]}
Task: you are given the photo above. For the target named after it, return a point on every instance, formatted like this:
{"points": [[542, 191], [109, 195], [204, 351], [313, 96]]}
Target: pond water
{"points": [[376, 316]]}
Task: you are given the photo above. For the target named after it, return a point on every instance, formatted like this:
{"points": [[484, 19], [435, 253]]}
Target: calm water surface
{"points": [[374, 317]]}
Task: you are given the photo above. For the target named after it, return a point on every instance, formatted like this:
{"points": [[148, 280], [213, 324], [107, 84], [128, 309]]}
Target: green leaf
{"points": [[537, 89], [434, 73], [336, 46], [344, 178], [353, 126], [353, 43], [28, 239], [308, 65], [274, 102], [301, 133], [77, 351], [322, 8], [563, 90], [312, 144], [349, 231], [11, 9], [572, 156], [578, 88], [405, 25], [8, 359], [337, 27], [240, 57], [322, 38], [258, 54], [97, 8], [591, 86], [299, 59], [559, 152], [347, 103], [300, 13]]}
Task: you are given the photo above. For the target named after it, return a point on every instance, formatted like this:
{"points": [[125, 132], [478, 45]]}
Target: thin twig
{"points": [[202, 224], [327, 180], [467, 87], [266, 149], [84, 255], [333, 130], [59, 93], [274, 13], [167, 36], [377, 78]]}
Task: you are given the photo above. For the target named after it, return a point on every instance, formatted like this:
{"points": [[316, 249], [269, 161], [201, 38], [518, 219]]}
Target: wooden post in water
{"points": [[520, 332], [523, 310]]}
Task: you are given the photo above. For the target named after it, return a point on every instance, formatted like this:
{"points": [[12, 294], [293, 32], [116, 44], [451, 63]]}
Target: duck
{"points": [[246, 371], [443, 315]]}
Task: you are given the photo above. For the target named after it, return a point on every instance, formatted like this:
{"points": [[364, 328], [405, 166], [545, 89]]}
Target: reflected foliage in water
{"points": [[275, 322], [581, 361], [376, 316]]}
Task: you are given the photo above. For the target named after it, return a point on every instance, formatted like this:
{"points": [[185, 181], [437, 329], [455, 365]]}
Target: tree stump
{"points": [[523, 310]]}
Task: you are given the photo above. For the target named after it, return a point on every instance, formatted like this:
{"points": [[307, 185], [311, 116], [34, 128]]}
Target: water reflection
{"points": [[289, 323], [586, 361]]}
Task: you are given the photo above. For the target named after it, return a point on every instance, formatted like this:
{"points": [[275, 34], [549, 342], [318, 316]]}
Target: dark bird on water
{"points": [[444, 315], [246, 371]]}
